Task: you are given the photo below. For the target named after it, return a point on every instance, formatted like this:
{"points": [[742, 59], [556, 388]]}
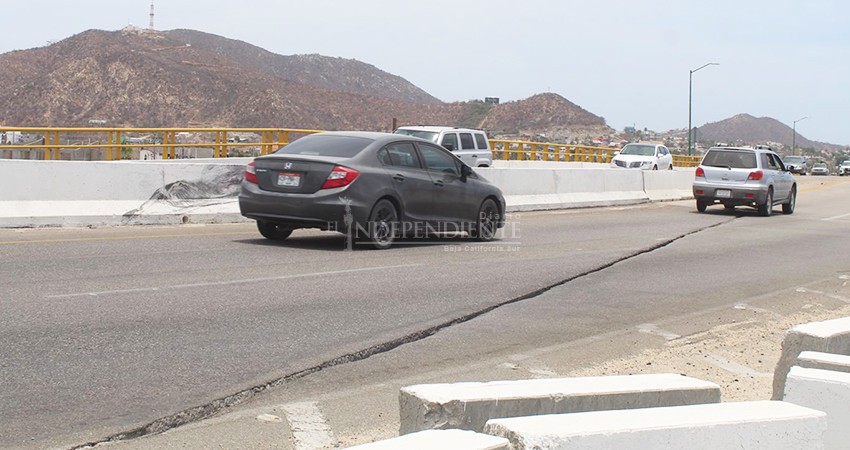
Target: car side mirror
{"points": [[465, 172]]}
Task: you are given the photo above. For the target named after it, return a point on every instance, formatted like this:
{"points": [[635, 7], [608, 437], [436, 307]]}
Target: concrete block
{"points": [[831, 336], [440, 440], [827, 391], [745, 425], [469, 406], [825, 361]]}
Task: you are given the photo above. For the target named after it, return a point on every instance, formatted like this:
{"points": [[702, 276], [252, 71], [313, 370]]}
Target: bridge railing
{"points": [[166, 143], [92, 143]]}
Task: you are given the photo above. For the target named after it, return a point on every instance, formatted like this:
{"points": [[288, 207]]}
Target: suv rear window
{"points": [[325, 145], [732, 159], [466, 141], [481, 141]]}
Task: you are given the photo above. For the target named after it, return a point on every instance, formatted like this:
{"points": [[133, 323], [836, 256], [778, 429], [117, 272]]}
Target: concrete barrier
{"points": [[440, 440], [668, 185], [84, 193], [529, 189], [831, 336], [825, 361], [827, 391], [469, 406], [747, 425]]}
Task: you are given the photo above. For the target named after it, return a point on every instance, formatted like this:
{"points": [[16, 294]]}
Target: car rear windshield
{"points": [[326, 145], [429, 135], [731, 159]]}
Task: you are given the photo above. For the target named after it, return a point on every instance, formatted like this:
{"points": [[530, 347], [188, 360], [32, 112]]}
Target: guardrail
{"points": [[177, 143], [169, 143]]}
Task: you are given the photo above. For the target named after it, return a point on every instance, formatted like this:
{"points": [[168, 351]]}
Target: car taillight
{"points": [[700, 173], [340, 177], [756, 175], [250, 173]]}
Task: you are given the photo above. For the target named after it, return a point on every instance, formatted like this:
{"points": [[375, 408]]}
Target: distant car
{"points": [[374, 187], [820, 169], [795, 164], [643, 156], [471, 146], [844, 168], [742, 176]]}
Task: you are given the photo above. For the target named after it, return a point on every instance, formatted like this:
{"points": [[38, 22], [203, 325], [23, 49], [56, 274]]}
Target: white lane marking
{"points": [[733, 367], [310, 430], [230, 282], [651, 328], [269, 418], [836, 217], [832, 296], [757, 309]]}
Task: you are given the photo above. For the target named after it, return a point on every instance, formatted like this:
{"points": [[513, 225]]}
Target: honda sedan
{"points": [[374, 187]]}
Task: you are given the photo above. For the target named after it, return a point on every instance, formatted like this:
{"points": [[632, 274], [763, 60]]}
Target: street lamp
{"points": [[691, 101], [794, 138]]}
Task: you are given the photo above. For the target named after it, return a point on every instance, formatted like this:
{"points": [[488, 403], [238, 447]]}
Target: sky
{"points": [[628, 61]]}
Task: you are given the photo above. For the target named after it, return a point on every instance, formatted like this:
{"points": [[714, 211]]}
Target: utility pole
{"points": [[794, 138], [150, 26], [690, 102]]}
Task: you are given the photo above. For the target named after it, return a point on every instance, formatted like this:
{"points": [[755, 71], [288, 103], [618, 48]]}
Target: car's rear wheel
{"points": [[729, 207], [788, 208], [701, 205], [488, 221], [383, 225], [273, 231], [766, 208]]}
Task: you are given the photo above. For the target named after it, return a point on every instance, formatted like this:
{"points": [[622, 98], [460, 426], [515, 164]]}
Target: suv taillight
{"points": [[756, 175], [700, 173], [250, 173], [340, 177]]}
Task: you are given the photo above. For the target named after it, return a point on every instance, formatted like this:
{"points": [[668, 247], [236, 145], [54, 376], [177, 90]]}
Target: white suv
{"points": [[471, 146]]}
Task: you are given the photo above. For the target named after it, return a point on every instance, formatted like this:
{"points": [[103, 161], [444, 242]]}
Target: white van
{"points": [[471, 146]]}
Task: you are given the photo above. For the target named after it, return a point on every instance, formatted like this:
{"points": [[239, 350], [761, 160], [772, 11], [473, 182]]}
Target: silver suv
{"points": [[742, 176], [471, 146]]}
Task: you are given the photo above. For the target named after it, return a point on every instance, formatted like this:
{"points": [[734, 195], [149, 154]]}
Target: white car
{"points": [[471, 146], [643, 156], [844, 168]]}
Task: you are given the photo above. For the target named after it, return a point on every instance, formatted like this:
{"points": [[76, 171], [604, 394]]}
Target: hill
{"points": [[747, 129], [181, 78]]}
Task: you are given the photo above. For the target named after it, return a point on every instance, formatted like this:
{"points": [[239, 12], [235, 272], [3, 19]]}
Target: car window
{"points": [[664, 151], [777, 161], [636, 149], [481, 140], [768, 162], [321, 144], [437, 160], [449, 141], [400, 154], [428, 135], [732, 159], [466, 142]]}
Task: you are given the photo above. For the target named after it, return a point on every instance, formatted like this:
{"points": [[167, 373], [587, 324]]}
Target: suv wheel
{"points": [[701, 205], [788, 208], [766, 208]]}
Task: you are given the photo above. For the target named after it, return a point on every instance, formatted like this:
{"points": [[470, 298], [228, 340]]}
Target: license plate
{"points": [[289, 179], [723, 193]]}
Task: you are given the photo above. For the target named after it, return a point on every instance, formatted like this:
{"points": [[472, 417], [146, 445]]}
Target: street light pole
{"points": [[691, 101], [794, 138]]}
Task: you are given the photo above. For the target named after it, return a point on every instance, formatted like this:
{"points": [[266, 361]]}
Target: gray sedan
{"points": [[374, 187]]}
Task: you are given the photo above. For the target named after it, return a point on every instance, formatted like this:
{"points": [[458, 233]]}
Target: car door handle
{"points": [[398, 177], [439, 183]]}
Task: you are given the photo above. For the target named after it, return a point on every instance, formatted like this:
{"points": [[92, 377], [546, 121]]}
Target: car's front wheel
{"points": [[766, 208], [788, 208], [488, 221], [383, 225], [273, 231]]}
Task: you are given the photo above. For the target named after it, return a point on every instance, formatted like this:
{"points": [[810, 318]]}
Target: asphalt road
{"points": [[118, 330]]}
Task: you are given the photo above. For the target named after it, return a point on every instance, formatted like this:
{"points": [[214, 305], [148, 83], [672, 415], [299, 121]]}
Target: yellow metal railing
{"points": [[114, 141], [222, 142]]}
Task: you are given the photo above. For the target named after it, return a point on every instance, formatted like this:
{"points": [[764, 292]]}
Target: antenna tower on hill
{"points": [[151, 24]]}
